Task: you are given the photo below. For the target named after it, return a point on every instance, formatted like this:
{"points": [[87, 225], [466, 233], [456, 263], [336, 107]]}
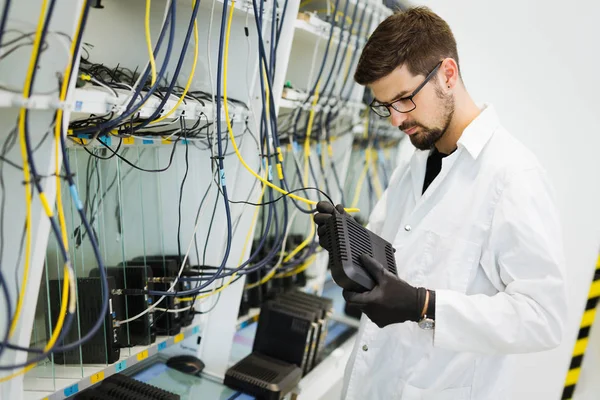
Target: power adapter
{"points": [[348, 242]]}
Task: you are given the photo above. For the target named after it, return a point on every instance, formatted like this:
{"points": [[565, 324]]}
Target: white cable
{"points": [[109, 89], [174, 311]]}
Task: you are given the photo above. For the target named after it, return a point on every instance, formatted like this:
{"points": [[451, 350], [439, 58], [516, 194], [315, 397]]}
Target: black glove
{"points": [[392, 300], [324, 211]]}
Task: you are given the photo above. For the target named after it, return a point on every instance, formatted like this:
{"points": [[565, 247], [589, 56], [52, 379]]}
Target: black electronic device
{"points": [[139, 331], [120, 386], [326, 307], [171, 264], [264, 377], [285, 333], [319, 325], [348, 242], [187, 364], [165, 323], [103, 347]]}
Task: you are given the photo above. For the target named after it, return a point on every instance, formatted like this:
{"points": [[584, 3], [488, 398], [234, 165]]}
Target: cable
{"points": [[149, 42], [126, 161], [4, 18]]}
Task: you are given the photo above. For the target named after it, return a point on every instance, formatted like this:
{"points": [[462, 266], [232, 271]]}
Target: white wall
{"points": [[537, 61]]}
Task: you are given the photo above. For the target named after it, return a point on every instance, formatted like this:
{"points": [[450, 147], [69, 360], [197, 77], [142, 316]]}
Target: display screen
{"points": [[187, 386]]}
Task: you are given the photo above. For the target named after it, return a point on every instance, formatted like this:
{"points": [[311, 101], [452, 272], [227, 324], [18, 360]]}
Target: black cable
{"points": [[187, 167], [283, 196], [135, 166], [114, 153]]}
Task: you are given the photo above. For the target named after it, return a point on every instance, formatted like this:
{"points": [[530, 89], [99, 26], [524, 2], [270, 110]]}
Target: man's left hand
{"points": [[391, 301]]}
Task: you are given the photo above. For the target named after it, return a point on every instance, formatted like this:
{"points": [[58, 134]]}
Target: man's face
{"points": [[428, 122]]}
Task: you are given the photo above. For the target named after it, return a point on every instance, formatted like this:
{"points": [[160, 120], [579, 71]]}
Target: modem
{"points": [[348, 241]]}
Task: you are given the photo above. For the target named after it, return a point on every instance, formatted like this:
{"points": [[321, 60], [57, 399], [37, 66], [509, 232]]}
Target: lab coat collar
{"points": [[479, 131]]}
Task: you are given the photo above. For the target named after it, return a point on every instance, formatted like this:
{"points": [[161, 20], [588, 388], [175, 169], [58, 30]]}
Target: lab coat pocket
{"points": [[449, 262], [414, 393]]}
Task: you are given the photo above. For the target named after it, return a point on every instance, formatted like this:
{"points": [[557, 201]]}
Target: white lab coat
{"points": [[486, 236]]}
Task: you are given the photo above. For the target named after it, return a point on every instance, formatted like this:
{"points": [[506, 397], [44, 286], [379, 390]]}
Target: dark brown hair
{"points": [[416, 36]]}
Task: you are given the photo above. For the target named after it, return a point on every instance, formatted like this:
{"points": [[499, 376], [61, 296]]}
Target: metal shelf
{"points": [[42, 381]]}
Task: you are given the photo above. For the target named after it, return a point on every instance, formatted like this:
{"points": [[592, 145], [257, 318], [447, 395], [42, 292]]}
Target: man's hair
{"points": [[416, 37]]}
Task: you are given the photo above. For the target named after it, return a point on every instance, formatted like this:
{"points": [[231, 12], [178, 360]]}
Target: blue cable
{"points": [[8, 312], [4, 18]]}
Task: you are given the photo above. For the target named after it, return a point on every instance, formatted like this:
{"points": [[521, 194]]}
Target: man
{"points": [[475, 228]]}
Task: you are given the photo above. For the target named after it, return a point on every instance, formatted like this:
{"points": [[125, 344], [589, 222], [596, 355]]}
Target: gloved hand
{"points": [[391, 301], [324, 211]]}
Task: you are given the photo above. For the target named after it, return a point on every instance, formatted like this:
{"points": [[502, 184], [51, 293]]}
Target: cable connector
{"points": [[129, 292], [162, 279]]}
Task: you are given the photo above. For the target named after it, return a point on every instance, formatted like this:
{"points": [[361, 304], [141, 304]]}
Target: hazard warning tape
{"points": [[584, 333]]}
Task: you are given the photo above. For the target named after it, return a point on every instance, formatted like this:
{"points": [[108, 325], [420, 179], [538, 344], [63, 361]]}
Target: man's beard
{"points": [[426, 137]]}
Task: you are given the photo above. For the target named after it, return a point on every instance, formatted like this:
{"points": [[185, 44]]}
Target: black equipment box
{"points": [[323, 304], [103, 347], [171, 264], [348, 241], [263, 377], [165, 323], [285, 333], [140, 331], [318, 324]]}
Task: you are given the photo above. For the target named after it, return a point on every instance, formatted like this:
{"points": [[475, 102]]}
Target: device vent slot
{"points": [[359, 241], [256, 373], [391, 260], [337, 244]]}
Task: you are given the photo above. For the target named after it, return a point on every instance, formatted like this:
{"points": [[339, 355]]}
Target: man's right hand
{"points": [[324, 211]]}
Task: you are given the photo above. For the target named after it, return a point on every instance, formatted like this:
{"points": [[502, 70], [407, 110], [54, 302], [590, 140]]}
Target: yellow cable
{"points": [[190, 77], [235, 146], [298, 269], [149, 42], [26, 171]]}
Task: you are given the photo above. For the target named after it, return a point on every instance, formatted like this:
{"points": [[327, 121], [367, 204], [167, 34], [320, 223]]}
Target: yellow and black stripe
{"points": [[584, 333]]}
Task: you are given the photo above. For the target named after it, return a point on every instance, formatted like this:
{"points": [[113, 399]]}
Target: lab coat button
{"points": [[365, 347], [407, 228]]}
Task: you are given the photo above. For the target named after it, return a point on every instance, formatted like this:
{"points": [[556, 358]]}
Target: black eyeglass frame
{"points": [[410, 97]]}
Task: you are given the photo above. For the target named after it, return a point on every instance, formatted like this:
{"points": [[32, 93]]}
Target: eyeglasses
{"points": [[404, 104]]}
